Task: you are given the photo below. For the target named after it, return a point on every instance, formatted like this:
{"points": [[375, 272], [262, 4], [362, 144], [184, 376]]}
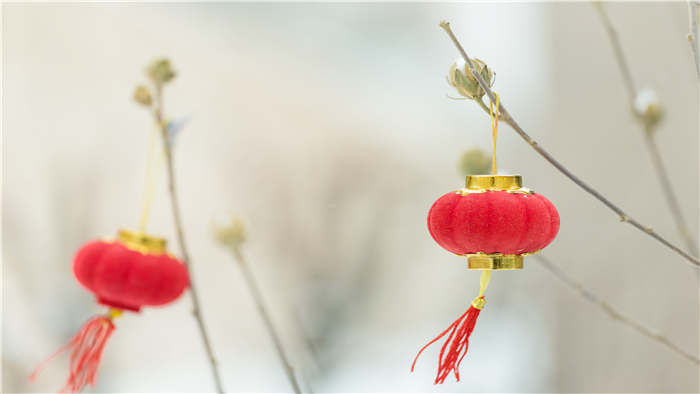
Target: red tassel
{"points": [[457, 340], [86, 349]]}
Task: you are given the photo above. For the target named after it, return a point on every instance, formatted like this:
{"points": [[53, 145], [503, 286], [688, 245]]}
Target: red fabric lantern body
{"points": [[511, 223], [131, 272], [494, 221]]}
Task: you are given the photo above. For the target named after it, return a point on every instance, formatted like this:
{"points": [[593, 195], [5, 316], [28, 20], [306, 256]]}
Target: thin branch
{"points": [[307, 340], [196, 309], [507, 118], [617, 48], [648, 131], [260, 304], [311, 348], [693, 7], [670, 195], [612, 312]]}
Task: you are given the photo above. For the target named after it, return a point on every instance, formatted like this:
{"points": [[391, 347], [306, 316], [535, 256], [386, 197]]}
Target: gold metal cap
{"points": [[479, 303], [142, 242], [496, 261], [494, 182]]}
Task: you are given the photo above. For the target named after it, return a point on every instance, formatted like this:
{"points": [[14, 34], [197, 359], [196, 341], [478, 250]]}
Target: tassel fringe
{"points": [[455, 347], [457, 342], [86, 350]]}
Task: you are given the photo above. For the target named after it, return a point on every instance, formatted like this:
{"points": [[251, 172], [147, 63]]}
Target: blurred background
{"points": [[327, 130]]}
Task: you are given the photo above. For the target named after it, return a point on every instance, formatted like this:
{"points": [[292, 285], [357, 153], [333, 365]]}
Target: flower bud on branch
{"points": [[474, 161], [462, 79], [232, 236], [648, 108], [161, 72], [143, 96]]}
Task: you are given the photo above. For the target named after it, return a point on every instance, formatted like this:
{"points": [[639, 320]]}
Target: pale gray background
{"points": [[326, 127]]}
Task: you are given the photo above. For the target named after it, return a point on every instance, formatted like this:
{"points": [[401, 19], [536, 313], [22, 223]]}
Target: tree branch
{"points": [[507, 118], [648, 130], [693, 7], [196, 310], [260, 304], [670, 195], [608, 309], [617, 49]]}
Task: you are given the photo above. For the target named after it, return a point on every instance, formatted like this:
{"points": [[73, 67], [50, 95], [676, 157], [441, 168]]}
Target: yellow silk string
{"points": [[151, 181], [479, 301], [494, 131], [484, 282]]}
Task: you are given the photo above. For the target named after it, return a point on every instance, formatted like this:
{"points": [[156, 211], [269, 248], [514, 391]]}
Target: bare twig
{"points": [[310, 347], [265, 315], [648, 130], [507, 118], [617, 48], [693, 7], [671, 198], [607, 308], [196, 309]]}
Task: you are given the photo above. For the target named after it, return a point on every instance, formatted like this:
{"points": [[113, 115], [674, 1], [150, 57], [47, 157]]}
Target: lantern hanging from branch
{"points": [[131, 272], [494, 222]]}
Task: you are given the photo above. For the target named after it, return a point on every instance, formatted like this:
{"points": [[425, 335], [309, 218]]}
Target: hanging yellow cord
{"points": [[494, 131], [479, 301], [484, 282], [151, 181]]}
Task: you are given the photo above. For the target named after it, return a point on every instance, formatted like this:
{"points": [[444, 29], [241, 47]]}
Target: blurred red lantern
{"points": [[494, 221], [134, 271]]}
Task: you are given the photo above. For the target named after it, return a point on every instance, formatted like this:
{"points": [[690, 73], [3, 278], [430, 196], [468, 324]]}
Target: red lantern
{"points": [[134, 271], [494, 221]]}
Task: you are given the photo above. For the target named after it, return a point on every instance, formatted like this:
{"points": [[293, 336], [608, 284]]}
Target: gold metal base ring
{"points": [[486, 183], [494, 182], [496, 261], [142, 242]]}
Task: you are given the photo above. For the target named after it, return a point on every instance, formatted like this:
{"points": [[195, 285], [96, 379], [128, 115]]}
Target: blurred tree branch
{"points": [[617, 49], [607, 308], [338, 281], [160, 72], [233, 237], [648, 126], [693, 7], [507, 118]]}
